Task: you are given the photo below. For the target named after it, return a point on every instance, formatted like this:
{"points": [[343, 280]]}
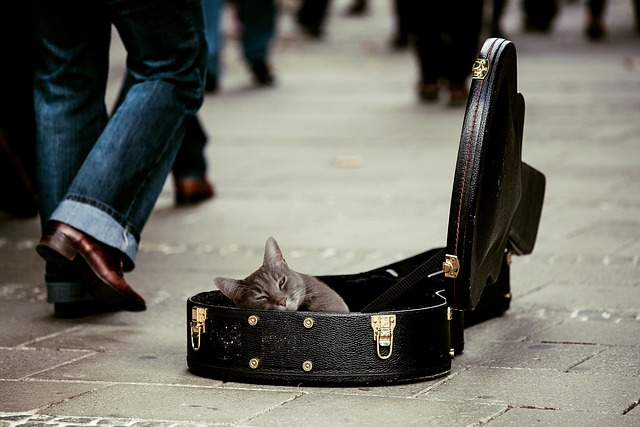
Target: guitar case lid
{"points": [[497, 199]]}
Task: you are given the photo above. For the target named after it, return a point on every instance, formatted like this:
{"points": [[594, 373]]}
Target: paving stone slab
{"points": [[320, 410], [586, 297], [124, 353], [40, 420], [588, 331], [166, 403], [397, 391], [26, 321], [165, 367], [407, 390], [516, 325], [527, 355], [550, 417], [538, 388], [25, 396], [20, 265], [620, 360], [581, 132], [16, 363], [118, 336], [543, 268]]}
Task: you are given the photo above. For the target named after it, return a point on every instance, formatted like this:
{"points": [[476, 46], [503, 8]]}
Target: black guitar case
{"points": [[407, 318]]}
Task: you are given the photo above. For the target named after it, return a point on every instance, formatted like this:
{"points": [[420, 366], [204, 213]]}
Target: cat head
{"points": [[274, 286]]}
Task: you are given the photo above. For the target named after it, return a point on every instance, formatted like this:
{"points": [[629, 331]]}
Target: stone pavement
{"points": [[348, 171]]}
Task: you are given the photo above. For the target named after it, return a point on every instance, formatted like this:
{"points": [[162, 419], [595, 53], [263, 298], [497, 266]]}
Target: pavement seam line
{"points": [[584, 359], [444, 380], [271, 408], [53, 335], [108, 383], [631, 407], [90, 353], [492, 417]]}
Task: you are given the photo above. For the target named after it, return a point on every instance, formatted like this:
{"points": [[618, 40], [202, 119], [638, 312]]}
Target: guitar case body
{"points": [[407, 318]]}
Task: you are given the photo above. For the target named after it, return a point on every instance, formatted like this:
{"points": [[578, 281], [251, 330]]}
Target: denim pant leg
{"points": [[190, 160], [212, 12], [70, 112], [117, 182], [71, 69], [258, 18]]}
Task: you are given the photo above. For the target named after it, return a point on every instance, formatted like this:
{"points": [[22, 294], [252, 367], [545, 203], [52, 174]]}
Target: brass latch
{"points": [[383, 326], [198, 326], [480, 69], [451, 266]]}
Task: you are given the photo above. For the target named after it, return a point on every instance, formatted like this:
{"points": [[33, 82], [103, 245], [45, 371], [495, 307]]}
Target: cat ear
{"points": [[272, 253], [229, 287]]}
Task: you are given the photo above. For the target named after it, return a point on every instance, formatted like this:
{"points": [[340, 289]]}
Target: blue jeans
{"points": [[190, 160], [100, 174], [258, 19]]}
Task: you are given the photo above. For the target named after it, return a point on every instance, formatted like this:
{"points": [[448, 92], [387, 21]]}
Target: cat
{"points": [[274, 286]]}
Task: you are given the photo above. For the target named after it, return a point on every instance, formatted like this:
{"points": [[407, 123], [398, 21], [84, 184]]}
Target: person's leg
{"points": [[69, 89], [114, 191], [70, 113], [595, 19], [462, 50], [425, 25], [311, 16], [212, 16], [190, 161], [108, 177], [358, 8], [258, 19], [190, 167], [539, 14], [17, 118], [496, 18], [400, 39]]}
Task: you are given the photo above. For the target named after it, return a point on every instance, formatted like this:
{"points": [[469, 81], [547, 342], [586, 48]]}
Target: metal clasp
{"points": [[198, 326], [451, 266], [383, 326]]}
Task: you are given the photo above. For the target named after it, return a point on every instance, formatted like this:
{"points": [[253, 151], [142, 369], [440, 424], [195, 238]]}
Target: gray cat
{"points": [[274, 286]]}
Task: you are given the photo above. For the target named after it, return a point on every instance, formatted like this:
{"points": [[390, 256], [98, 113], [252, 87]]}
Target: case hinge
{"points": [[383, 326], [451, 266], [198, 326]]}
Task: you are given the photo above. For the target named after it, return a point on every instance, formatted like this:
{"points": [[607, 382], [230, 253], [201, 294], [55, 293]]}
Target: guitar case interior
{"points": [[407, 318]]}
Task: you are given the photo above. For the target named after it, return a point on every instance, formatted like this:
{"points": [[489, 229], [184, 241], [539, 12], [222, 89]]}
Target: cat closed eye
{"points": [[281, 282]]}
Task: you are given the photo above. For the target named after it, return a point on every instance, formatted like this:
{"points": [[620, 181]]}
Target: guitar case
{"points": [[407, 318]]}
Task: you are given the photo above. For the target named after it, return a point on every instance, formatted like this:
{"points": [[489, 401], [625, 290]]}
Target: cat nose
{"points": [[282, 302]]}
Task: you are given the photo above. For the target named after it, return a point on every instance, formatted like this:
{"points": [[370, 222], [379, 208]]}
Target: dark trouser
{"points": [[446, 37], [312, 13]]}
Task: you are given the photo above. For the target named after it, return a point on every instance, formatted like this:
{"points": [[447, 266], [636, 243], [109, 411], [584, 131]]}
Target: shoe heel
{"points": [[56, 248]]}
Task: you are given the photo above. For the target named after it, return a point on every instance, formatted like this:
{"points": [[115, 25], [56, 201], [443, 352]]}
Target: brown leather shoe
{"points": [[100, 265], [458, 94], [189, 191], [428, 91]]}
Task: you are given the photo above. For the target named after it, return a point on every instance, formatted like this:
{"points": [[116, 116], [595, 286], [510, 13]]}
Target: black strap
{"points": [[426, 269]]}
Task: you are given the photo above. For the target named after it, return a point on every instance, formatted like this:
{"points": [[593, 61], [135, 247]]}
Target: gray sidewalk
{"points": [[349, 172]]}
